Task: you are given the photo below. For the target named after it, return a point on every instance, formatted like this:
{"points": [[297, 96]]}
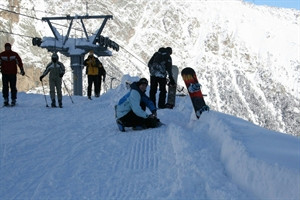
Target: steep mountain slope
{"points": [[246, 56]]}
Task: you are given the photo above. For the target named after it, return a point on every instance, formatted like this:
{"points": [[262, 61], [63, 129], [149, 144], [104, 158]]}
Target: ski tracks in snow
{"points": [[138, 153]]}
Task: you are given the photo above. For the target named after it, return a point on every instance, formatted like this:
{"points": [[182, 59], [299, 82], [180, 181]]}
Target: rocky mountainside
{"points": [[246, 56]]}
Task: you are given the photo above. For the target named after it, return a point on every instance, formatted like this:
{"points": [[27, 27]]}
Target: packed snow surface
{"points": [[77, 152]]}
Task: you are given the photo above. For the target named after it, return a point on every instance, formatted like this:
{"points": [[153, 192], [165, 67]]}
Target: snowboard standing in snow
{"points": [[172, 89], [194, 88]]}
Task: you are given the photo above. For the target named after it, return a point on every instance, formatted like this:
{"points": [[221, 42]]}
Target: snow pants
{"points": [[132, 120], [154, 83], [93, 79], [55, 83], [9, 81], [99, 85]]}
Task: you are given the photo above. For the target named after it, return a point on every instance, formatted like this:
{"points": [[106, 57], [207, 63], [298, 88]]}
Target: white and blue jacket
{"points": [[132, 101]]}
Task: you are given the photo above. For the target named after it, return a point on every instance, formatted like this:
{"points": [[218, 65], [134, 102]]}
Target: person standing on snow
{"points": [[160, 65], [57, 71], [8, 67], [92, 70], [131, 108]]}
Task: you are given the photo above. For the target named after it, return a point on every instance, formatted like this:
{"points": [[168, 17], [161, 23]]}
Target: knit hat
{"points": [[143, 81], [7, 45]]}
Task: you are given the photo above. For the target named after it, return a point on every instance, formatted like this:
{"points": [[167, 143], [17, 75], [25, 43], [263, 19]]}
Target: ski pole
{"points": [[105, 86], [44, 94], [67, 90], [25, 75]]}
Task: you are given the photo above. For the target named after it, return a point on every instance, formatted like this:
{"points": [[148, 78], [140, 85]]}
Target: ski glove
{"points": [[154, 113], [22, 72], [41, 78], [152, 116]]}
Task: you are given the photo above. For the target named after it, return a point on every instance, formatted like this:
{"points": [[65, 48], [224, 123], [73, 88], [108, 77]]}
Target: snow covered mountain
{"points": [[77, 152], [246, 56]]}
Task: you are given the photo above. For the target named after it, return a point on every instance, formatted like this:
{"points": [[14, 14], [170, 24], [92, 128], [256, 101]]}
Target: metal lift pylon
{"points": [[76, 48]]}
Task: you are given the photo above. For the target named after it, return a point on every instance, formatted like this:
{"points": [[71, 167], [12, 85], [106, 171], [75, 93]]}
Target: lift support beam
{"points": [[74, 50]]}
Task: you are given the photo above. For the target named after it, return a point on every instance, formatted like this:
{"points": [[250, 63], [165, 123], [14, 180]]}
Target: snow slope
{"points": [[78, 153]]}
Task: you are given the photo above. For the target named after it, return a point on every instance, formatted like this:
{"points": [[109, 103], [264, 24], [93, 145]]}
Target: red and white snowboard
{"points": [[194, 88]]}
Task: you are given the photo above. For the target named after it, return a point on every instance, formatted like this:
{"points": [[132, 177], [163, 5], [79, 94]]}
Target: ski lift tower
{"points": [[76, 48]]}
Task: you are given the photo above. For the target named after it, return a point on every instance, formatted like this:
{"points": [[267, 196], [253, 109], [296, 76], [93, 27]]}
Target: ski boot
{"points": [[53, 104], [60, 103], [13, 102], [6, 102]]}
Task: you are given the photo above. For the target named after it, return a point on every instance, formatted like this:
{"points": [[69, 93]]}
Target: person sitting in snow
{"points": [[131, 108], [57, 71]]}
